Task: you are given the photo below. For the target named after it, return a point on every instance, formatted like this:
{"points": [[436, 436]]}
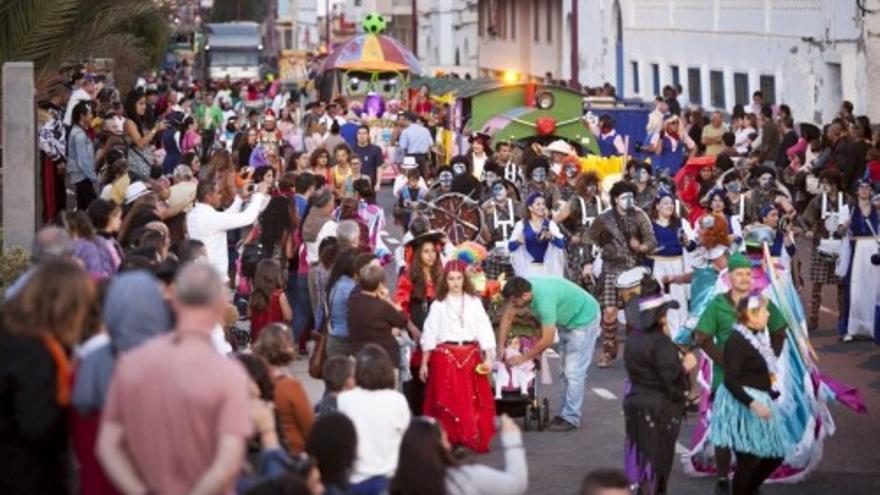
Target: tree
{"points": [[50, 32], [238, 10]]}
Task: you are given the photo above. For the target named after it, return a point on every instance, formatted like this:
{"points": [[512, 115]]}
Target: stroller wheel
{"points": [[527, 418], [540, 412], [545, 406]]}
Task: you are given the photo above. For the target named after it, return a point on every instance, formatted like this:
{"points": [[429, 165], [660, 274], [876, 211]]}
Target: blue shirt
{"points": [[371, 159], [339, 306], [535, 246], [81, 156], [667, 240], [415, 140]]}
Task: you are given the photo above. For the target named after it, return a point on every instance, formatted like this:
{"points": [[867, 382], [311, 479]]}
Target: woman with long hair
{"points": [[536, 244], [139, 138], [574, 219], [268, 303], [428, 467], [668, 259], [247, 146], [458, 351], [292, 405], [342, 172], [416, 290], [190, 139], [654, 406], [41, 325], [95, 252], [319, 162], [106, 217], [745, 418]]}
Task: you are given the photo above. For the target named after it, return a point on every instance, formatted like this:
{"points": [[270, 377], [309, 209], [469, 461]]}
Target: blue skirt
{"points": [[736, 426]]}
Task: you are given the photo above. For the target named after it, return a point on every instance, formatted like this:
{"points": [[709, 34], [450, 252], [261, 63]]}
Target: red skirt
{"points": [[460, 398]]}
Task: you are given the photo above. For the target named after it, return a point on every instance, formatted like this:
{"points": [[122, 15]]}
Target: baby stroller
{"points": [[518, 390]]}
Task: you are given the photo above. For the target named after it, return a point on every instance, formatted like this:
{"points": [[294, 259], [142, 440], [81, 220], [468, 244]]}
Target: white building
{"points": [[448, 36], [809, 54], [303, 14], [398, 14]]}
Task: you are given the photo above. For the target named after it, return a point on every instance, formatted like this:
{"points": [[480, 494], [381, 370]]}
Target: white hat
{"points": [[409, 163], [134, 191], [558, 146], [632, 277]]}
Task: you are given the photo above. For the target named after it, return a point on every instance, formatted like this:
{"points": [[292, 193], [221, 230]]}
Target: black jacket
{"points": [[658, 379]]}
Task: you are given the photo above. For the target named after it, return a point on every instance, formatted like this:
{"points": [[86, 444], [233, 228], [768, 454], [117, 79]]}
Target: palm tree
{"points": [[50, 32]]}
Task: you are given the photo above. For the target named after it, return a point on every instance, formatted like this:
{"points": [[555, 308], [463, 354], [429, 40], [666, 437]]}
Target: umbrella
{"points": [[372, 52]]}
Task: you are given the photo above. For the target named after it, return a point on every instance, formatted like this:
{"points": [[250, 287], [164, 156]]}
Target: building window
{"points": [[695, 86], [482, 12], [716, 86], [655, 78], [536, 12], [675, 75], [550, 21], [501, 19], [741, 88], [635, 74], [768, 89]]}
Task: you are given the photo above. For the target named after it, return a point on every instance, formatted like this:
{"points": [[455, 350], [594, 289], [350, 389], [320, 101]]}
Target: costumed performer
{"points": [[536, 244]]}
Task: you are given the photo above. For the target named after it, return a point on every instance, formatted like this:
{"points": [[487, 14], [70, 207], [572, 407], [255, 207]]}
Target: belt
{"points": [[660, 257], [459, 343], [861, 237]]}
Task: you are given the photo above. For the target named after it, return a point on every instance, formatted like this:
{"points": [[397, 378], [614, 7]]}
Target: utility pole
{"points": [[575, 62], [327, 24], [415, 28]]}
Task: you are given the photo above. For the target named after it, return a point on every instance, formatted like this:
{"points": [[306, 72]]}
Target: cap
{"points": [[134, 191], [738, 261], [409, 163]]}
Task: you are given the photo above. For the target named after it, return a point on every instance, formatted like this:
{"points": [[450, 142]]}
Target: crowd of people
{"points": [[217, 233]]}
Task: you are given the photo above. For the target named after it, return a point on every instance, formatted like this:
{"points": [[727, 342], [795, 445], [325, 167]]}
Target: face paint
{"points": [[642, 175], [591, 188], [626, 201], [445, 178], [459, 168], [734, 187], [539, 175], [499, 192], [491, 177], [571, 172], [765, 180]]}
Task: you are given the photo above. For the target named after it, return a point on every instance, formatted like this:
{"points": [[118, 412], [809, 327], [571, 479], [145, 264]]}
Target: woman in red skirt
{"points": [[458, 348]]}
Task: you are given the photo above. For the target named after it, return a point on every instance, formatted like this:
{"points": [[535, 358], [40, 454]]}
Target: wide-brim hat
{"points": [[409, 163], [512, 190], [558, 146], [642, 313], [134, 191], [432, 235]]}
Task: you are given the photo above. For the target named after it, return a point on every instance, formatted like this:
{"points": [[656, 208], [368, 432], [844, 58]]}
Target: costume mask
{"points": [[459, 168], [765, 181], [626, 201], [445, 179], [499, 192], [571, 172], [539, 174], [734, 187], [490, 177], [642, 175]]}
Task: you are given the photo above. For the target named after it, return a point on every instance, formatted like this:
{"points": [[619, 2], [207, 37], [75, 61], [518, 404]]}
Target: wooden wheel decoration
{"points": [[459, 217]]}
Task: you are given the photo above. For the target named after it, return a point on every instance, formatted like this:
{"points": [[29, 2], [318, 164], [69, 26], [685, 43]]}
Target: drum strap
{"points": [[505, 225]]}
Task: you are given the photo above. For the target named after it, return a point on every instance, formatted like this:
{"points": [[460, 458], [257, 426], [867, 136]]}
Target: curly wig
{"points": [[717, 235]]}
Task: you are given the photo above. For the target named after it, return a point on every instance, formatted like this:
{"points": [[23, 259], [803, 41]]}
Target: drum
{"points": [[829, 248], [456, 215]]}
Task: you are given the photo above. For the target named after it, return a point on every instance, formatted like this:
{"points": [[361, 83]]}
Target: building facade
{"points": [[398, 14], [809, 54], [448, 36]]}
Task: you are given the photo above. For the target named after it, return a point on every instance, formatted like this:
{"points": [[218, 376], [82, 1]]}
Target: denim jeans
{"points": [[576, 347], [302, 306]]}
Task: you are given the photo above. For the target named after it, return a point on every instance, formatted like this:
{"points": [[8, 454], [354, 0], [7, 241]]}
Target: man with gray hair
{"points": [[183, 192], [50, 243], [349, 235], [209, 422]]}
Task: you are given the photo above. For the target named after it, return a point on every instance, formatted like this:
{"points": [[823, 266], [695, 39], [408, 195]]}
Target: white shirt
{"points": [[208, 225], [77, 96], [446, 322], [478, 163], [327, 230], [380, 419]]}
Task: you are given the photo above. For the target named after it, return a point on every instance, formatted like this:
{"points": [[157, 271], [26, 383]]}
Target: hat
{"points": [[670, 117], [760, 170], [455, 266], [632, 278], [134, 191], [479, 136], [738, 261], [431, 235], [758, 235], [558, 146], [766, 211], [533, 197], [409, 163], [642, 313]]}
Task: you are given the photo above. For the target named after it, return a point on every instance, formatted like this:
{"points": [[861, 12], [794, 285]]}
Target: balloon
{"points": [[374, 105]]}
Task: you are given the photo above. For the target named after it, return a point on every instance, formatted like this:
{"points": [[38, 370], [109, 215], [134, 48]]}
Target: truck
{"points": [[233, 50]]}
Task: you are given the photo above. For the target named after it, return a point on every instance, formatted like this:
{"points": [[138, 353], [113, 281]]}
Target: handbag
{"points": [[141, 162], [319, 354]]}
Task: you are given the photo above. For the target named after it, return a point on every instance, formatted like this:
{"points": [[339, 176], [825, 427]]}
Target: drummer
{"points": [[574, 218], [463, 181], [540, 182], [819, 220], [442, 185], [646, 190]]}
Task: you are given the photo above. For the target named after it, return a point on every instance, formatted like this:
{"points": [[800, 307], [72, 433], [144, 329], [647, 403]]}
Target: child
{"points": [[338, 375], [408, 196], [268, 303], [514, 376]]}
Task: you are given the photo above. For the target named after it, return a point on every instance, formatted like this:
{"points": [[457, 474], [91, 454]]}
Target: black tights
{"points": [[751, 471]]}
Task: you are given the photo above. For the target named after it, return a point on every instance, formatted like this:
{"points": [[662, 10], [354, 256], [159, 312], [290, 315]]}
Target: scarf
{"points": [[62, 369]]}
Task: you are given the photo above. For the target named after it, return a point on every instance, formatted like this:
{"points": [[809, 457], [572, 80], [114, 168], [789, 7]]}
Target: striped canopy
{"points": [[372, 52]]}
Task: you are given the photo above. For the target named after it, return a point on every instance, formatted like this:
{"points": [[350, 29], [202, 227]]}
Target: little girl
{"points": [[268, 303], [458, 348]]}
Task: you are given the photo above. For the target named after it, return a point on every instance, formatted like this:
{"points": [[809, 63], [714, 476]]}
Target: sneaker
{"points": [[847, 338], [722, 487], [561, 426], [556, 420], [605, 361]]}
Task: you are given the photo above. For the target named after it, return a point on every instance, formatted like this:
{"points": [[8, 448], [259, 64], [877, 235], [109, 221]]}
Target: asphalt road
{"points": [[851, 461]]}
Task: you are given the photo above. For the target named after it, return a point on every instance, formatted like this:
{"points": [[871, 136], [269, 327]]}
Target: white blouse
{"points": [[457, 319]]}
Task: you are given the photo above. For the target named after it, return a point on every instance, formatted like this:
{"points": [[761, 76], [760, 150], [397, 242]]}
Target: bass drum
{"points": [[456, 215]]}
